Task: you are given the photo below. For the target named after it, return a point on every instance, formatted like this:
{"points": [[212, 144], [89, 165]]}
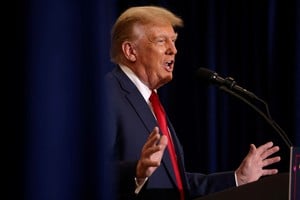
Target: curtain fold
{"points": [[67, 54]]}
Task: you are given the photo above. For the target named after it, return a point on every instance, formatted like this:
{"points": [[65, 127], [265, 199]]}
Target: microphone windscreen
{"points": [[204, 74]]}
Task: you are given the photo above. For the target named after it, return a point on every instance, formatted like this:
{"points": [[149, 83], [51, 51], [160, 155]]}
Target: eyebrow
{"points": [[151, 39]]}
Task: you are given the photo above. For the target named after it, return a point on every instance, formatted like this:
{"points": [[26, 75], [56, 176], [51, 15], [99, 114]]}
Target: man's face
{"points": [[155, 54]]}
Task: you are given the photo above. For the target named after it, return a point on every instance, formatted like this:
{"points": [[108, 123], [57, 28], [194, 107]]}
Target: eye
{"points": [[160, 40]]}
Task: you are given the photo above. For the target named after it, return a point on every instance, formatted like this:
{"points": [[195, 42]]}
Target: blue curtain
{"points": [[65, 52], [58, 112]]}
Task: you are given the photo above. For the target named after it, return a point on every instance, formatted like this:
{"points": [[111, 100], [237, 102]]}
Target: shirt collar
{"points": [[143, 89]]}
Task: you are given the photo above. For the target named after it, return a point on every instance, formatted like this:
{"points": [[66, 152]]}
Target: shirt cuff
{"points": [[139, 186], [235, 178]]}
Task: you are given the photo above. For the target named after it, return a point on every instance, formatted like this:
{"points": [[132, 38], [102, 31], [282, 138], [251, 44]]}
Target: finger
{"points": [[151, 163], [269, 152], [152, 156], [147, 151], [160, 147], [163, 141], [152, 139], [271, 161], [261, 149], [154, 149], [252, 149], [269, 172]]}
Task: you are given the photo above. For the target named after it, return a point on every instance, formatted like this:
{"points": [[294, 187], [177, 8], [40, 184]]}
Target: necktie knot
{"points": [[158, 111], [154, 97]]}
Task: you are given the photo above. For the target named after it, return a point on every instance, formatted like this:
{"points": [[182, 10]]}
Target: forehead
{"points": [[155, 30]]}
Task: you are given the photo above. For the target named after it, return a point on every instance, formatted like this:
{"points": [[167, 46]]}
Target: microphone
{"points": [[207, 75]]}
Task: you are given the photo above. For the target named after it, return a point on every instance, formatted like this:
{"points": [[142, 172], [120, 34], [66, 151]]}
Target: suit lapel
{"points": [[142, 109]]}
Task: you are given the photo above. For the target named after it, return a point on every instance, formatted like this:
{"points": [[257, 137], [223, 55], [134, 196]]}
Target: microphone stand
{"points": [[268, 118]]}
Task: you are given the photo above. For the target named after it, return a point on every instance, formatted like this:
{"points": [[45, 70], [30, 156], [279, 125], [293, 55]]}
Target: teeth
{"points": [[169, 63]]}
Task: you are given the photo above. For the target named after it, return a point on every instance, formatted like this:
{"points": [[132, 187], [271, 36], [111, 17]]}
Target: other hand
{"points": [[152, 154], [252, 167]]}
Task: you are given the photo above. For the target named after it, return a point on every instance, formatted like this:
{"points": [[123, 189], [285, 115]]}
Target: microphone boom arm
{"points": [[268, 118]]}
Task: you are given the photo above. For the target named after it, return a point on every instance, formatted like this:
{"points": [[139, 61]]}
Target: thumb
{"points": [[252, 148], [163, 141]]}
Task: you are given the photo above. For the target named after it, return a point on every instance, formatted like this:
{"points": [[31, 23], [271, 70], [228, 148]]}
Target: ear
{"points": [[129, 51]]}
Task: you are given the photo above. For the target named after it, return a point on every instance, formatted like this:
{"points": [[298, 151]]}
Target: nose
{"points": [[171, 48]]}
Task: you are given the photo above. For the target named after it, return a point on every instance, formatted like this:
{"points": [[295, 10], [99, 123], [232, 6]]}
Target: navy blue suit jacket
{"points": [[130, 122]]}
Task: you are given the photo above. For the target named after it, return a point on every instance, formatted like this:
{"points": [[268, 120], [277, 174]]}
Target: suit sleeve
{"points": [[202, 184]]}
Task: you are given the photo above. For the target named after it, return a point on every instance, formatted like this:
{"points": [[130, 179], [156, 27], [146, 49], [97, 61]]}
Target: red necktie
{"points": [[162, 122]]}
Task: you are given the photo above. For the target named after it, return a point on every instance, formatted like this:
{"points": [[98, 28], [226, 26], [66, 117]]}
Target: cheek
{"points": [[150, 56], [157, 54]]}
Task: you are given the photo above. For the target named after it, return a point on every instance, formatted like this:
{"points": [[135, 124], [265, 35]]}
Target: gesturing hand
{"points": [[152, 154], [252, 167]]}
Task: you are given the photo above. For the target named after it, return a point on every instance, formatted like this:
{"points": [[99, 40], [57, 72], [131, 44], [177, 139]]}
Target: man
{"points": [[143, 47]]}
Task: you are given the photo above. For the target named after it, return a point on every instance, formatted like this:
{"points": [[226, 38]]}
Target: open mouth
{"points": [[169, 65]]}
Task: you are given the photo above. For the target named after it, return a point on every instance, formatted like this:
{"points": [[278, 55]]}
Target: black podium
{"points": [[275, 187]]}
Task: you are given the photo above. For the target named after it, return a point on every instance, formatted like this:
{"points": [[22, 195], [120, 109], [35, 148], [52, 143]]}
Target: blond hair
{"points": [[143, 15]]}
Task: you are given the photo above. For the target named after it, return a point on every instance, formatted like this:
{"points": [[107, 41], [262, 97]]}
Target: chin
{"points": [[167, 79]]}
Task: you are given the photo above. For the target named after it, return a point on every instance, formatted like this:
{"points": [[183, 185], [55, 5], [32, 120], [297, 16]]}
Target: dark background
{"points": [[58, 115]]}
